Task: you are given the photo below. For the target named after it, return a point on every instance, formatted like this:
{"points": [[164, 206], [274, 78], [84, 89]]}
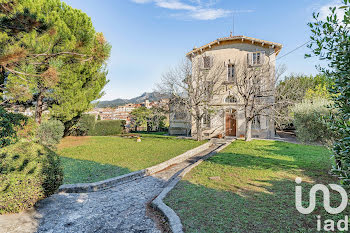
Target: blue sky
{"points": [[150, 36]]}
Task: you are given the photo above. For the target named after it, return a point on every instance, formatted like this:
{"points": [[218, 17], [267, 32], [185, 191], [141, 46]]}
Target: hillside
{"points": [[151, 96]]}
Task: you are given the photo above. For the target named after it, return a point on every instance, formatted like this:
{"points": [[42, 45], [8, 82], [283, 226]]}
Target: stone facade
{"points": [[228, 118]]}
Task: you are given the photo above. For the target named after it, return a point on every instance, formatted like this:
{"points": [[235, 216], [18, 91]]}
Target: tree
{"points": [[57, 62], [191, 87], [330, 41], [140, 116], [256, 90], [292, 90]]}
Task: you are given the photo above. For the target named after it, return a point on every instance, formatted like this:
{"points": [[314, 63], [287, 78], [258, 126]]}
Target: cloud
{"points": [[325, 11], [209, 14], [196, 9]]}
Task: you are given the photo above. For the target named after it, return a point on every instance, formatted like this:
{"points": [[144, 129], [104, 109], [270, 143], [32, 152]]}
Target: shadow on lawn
{"points": [[255, 190], [84, 171], [281, 156], [204, 209]]}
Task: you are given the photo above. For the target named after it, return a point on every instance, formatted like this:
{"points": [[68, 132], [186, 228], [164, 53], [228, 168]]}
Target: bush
{"points": [[10, 123], [108, 127], [312, 122], [28, 172], [50, 132], [85, 124]]}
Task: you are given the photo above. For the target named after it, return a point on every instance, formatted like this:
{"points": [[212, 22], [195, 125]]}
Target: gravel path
{"points": [[118, 209]]}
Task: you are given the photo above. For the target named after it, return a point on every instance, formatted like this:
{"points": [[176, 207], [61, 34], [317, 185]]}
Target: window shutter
{"points": [[201, 62], [249, 58], [262, 57], [211, 61]]}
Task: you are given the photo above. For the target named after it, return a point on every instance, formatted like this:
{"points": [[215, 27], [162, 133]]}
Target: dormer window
{"points": [[256, 58]]}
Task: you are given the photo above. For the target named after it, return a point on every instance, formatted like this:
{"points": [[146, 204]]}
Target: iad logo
{"points": [[329, 224], [325, 190]]}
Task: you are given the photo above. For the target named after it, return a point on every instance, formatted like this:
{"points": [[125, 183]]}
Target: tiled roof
{"points": [[274, 45]]}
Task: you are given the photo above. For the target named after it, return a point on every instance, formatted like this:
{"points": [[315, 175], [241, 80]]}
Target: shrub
{"points": [[28, 173], [312, 122], [85, 124], [9, 125], [50, 132], [108, 127]]}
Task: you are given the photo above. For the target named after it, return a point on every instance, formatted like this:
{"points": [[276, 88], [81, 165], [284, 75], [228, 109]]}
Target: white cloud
{"points": [[325, 11], [141, 1], [174, 5], [209, 14], [196, 9]]}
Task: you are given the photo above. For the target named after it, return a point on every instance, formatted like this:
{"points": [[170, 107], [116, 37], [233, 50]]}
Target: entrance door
{"points": [[230, 123]]}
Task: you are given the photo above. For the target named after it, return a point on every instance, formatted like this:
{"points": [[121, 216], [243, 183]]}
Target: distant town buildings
{"points": [[123, 112]]}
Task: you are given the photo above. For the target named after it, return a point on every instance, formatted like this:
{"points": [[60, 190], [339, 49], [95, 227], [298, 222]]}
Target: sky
{"points": [[150, 36]]}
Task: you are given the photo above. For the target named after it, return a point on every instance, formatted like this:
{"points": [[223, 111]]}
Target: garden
{"points": [[90, 159], [250, 187]]}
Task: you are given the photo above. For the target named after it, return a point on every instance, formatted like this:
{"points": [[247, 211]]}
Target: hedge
{"points": [[28, 172], [107, 128]]}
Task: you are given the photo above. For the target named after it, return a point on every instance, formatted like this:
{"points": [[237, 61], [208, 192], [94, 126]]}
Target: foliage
{"points": [[50, 132], [153, 118], [85, 124], [249, 185], [28, 173], [330, 41], [58, 62], [293, 90], [312, 121], [90, 159], [108, 127], [9, 124], [140, 116]]}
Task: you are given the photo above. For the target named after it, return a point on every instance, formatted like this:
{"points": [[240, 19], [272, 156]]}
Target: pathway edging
{"points": [[105, 184], [173, 219]]}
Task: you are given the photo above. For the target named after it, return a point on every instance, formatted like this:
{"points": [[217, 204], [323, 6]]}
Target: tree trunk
{"points": [[248, 130], [39, 108], [199, 130]]}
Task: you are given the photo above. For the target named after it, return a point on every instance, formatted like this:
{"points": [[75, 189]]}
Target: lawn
{"points": [[250, 187], [90, 159]]}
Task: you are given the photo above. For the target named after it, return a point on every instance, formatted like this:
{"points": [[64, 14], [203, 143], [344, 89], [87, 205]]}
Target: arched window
{"points": [[230, 99]]}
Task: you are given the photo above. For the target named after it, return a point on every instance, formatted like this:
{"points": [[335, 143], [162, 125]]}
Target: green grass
{"points": [[250, 187], [91, 159]]}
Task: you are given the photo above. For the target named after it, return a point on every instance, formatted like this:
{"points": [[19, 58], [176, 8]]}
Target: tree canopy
{"points": [[50, 57], [330, 41]]}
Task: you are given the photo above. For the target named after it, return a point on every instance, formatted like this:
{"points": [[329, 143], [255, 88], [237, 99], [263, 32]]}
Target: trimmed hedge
{"points": [[107, 128], [28, 172]]}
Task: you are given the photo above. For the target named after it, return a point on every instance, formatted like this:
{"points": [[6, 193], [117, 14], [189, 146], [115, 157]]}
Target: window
{"points": [[256, 123], [180, 116], [230, 73], [256, 58], [207, 62], [206, 120], [230, 99]]}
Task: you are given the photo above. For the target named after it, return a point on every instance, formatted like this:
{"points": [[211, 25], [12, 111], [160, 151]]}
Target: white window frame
{"points": [[230, 97], [206, 122], [230, 73], [256, 123], [256, 58], [204, 63]]}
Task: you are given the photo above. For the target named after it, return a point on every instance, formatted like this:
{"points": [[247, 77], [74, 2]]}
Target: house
{"points": [[228, 118]]}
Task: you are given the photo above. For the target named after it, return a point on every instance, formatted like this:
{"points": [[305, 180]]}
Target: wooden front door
{"points": [[230, 124]]}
